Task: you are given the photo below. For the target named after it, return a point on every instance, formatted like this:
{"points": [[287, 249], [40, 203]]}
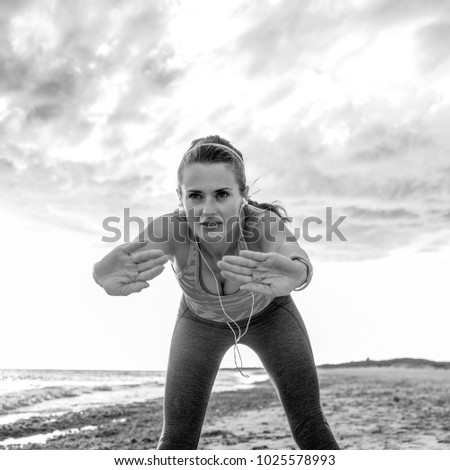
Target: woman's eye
{"points": [[220, 195]]}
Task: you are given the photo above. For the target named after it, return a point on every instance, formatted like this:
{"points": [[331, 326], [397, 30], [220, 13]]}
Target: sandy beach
{"points": [[367, 408]]}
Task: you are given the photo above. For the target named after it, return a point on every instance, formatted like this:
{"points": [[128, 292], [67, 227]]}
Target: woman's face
{"points": [[211, 199]]}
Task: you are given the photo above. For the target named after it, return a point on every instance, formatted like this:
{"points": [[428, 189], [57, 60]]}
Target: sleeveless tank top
{"points": [[238, 305]]}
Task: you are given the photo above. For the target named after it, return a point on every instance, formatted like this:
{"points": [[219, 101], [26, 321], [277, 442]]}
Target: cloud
{"points": [[391, 172], [303, 34], [386, 13], [286, 33], [74, 194], [44, 112], [383, 140], [94, 66], [332, 105], [79, 87], [433, 43], [60, 85], [380, 214]]}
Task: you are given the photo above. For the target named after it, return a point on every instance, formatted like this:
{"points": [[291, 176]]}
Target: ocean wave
{"points": [[19, 399]]}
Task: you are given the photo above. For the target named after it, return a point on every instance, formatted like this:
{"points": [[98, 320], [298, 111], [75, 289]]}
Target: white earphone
{"points": [[240, 335]]}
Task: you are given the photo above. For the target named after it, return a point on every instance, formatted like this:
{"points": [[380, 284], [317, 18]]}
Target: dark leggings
{"points": [[278, 336]]}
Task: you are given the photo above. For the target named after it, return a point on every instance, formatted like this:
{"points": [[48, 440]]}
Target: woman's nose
{"points": [[209, 206]]}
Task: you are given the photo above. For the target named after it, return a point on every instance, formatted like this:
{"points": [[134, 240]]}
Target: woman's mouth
{"points": [[210, 225]]}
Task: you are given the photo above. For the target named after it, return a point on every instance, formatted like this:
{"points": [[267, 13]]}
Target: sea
{"points": [[29, 393]]}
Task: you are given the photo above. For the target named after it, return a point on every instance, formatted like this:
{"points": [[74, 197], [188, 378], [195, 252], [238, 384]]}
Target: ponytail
{"points": [[277, 208]]}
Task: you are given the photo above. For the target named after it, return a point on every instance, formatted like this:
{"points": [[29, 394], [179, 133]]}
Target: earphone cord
{"points": [[238, 338]]}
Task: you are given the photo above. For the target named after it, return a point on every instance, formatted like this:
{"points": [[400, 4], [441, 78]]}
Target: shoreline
{"points": [[385, 408], [136, 425]]}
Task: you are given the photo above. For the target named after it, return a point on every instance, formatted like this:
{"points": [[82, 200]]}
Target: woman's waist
{"points": [[226, 309]]}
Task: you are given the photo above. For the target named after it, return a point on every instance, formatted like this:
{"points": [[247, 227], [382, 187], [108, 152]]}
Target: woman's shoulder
{"points": [[175, 228], [263, 219], [164, 225]]}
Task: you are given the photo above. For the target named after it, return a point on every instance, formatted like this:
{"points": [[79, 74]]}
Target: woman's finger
{"points": [[152, 263], [254, 255], [150, 274], [125, 288], [257, 288], [237, 278], [134, 287], [238, 269], [149, 254], [239, 261]]}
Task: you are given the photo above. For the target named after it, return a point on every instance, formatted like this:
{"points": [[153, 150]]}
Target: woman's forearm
{"points": [[305, 274]]}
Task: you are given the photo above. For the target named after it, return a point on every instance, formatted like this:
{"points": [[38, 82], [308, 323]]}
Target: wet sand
{"points": [[367, 408]]}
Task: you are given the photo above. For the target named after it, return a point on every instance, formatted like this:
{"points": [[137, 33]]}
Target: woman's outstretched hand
{"points": [[125, 270], [271, 274]]}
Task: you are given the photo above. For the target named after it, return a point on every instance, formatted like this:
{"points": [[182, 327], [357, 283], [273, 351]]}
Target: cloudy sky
{"points": [[339, 104]]}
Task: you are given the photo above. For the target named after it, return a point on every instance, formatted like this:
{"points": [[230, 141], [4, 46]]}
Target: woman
{"points": [[236, 263]]}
